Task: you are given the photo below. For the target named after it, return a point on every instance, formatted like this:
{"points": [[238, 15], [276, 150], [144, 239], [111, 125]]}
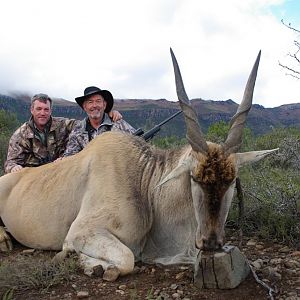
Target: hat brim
{"points": [[108, 97]]}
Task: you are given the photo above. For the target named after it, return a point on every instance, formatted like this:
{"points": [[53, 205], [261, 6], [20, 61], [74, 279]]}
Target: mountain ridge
{"points": [[146, 113]]}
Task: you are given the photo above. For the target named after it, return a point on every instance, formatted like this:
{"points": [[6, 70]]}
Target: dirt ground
{"points": [[175, 282]]}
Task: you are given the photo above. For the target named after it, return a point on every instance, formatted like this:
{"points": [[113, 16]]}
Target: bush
{"points": [[272, 189], [217, 133], [168, 142], [8, 123]]}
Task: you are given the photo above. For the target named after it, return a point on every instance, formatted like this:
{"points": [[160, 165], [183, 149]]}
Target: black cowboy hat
{"points": [[91, 90]]}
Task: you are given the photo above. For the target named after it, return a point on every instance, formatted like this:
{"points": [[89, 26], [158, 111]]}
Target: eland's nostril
{"points": [[219, 245], [208, 245], [211, 244]]}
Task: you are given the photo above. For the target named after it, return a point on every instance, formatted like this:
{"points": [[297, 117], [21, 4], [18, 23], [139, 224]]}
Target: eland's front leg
{"points": [[99, 247], [103, 248]]}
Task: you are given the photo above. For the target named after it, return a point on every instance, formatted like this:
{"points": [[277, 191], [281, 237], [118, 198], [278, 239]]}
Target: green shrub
{"points": [[8, 123], [217, 133], [272, 190], [168, 142]]}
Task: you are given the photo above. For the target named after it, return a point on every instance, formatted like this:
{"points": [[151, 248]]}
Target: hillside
{"points": [[145, 113]]}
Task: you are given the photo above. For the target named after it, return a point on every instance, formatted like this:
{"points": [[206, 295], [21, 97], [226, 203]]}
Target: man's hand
{"points": [[16, 168], [115, 115]]}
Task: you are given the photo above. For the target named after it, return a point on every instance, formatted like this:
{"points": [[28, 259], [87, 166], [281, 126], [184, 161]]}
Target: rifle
{"points": [[152, 132]]}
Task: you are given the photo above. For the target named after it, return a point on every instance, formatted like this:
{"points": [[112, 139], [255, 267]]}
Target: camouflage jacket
{"points": [[26, 148], [81, 135]]}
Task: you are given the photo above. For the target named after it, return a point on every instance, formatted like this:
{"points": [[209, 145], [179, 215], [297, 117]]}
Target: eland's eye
{"points": [[194, 178]]}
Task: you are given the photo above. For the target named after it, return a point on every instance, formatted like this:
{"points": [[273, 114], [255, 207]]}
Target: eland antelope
{"points": [[121, 200]]}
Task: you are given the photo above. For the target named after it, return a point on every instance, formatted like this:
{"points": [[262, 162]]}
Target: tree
{"points": [[8, 123], [293, 71]]}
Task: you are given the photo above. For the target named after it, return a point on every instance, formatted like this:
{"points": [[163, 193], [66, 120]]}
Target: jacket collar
{"points": [[106, 122], [52, 125]]}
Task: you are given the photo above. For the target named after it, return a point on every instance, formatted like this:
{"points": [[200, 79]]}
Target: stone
{"points": [[28, 251], [121, 292], [175, 296], [284, 249], [257, 264], [224, 269], [276, 261], [122, 287], [291, 272], [82, 294], [296, 253], [180, 276], [272, 273], [292, 264], [251, 243], [164, 295], [111, 274], [259, 247]]}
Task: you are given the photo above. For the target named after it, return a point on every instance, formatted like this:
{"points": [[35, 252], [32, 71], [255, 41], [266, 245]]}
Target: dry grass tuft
{"points": [[26, 272]]}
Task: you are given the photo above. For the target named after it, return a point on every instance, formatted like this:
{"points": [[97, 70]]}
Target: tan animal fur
{"points": [[121, 200]]}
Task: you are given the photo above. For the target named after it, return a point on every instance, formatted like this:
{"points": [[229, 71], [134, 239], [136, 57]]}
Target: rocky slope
{"points": [[146, 113]]}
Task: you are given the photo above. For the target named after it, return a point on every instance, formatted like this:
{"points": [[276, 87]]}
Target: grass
{"points": [[26, 273]]}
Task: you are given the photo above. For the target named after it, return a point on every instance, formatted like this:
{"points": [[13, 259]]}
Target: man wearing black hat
{"points": [[97, 104]]}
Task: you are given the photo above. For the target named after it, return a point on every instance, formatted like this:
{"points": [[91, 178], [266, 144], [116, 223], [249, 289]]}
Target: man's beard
{"points": [[96, 114]]}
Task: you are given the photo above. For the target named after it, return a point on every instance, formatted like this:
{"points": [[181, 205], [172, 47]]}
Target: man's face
{"points": [[41, 113], [94, 106]]}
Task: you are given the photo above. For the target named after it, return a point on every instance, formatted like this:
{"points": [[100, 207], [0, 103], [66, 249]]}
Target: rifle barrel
{"points": [[150, 133], [168, 119]]}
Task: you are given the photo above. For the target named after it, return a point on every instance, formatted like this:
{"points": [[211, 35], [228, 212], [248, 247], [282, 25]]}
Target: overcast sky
{"points": [[60, 47]]}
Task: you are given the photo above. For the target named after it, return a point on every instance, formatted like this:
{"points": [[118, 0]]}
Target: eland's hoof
{"points": [[5, 241], [111, 274], [98, 271]]}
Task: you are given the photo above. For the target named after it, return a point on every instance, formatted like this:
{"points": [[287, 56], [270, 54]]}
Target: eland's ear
{"points": [[184, 166], [251, 157]]}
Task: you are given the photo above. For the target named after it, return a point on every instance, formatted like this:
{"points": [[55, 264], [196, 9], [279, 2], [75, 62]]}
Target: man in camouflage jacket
{"points": [[96, 103], [42, 139], [83, 133], [27, 149]]}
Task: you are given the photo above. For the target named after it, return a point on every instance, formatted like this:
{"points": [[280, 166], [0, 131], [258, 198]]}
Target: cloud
{"points": [[60, 47]]}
